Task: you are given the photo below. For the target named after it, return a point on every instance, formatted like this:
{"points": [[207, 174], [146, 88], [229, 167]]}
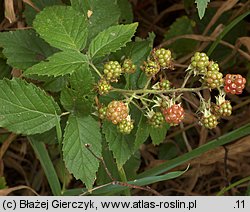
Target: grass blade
{"points": [[110, 189], [233, 185], [225, 139], [225, 31], [47, 165]]}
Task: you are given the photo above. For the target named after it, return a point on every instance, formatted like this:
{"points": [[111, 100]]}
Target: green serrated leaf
{"points": [[24, 48], [5, 70], [30, 12], [158, 134], [76, 102], [55, 84], [121, 145], [201, 6], [181, 26], [142, 132], [82, 80], [104, 13], [62, 27], [25, 108], [78, 159], [59, 64], [111, 40]]}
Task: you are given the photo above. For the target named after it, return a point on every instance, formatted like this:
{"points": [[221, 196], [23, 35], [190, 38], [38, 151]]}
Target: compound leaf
{"points": [[25, 108]]}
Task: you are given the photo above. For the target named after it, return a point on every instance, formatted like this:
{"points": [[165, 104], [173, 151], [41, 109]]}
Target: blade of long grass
{"points": [[233, 185], [110, 189], [225, 31], [225, 139], [43, 156]]}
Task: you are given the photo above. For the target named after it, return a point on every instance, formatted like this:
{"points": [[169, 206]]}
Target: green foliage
{"points": [[25, 103], [21, 52], [126, 12], [111, 40], [181, 26], [201, 6], [103, 13], [64, 55], [59, 64], [78, 159], [121, 145], [30, 12], [62, 27], [5, 70]]}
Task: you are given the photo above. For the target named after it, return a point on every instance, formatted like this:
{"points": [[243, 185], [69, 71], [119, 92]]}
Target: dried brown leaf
{"points": [[9, 10]]}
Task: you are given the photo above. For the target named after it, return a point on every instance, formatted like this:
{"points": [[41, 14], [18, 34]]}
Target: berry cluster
{"points": [[199, 63], [162, 100], [213, 77], [158, 59]]}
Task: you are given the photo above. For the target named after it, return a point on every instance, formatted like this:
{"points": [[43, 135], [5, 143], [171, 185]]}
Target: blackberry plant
{"points": [[100, 90]]}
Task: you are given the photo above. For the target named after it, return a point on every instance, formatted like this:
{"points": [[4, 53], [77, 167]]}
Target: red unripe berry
{"points": [[174, 114], [234, 83]]}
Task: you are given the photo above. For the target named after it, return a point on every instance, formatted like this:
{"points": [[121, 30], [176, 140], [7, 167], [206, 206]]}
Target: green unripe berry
{"points": [[157, 120], [163, 56], [112, 70], [151, 68], [128, 66], [103, 86], [210, 121], [125, 126]]}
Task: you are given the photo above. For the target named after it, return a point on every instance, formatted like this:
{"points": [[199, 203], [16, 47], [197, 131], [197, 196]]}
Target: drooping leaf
{"points": [[158, 134], [78, 159], [31, 12], [101, 14], [25, 108], [201, 6], [142, 132], [59, 64], [111, 40], [62, 27], [23, 48], [121, 145]]}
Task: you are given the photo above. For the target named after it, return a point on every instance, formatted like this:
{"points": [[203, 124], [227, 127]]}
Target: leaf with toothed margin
{"points": [[111, 39], [59, 64], [25, 108], [78, 159]]}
